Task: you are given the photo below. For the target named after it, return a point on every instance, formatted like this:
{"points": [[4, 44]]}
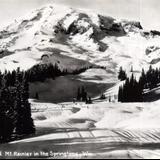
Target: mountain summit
{"points": [[79, 34]]}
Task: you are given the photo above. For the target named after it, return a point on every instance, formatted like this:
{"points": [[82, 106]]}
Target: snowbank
{"points": [[100, 115]]}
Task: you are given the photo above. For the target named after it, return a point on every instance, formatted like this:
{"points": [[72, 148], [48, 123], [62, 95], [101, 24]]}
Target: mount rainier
{"points": [[79, 34]]}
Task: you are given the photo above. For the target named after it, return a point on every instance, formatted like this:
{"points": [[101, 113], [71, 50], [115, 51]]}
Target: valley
{"points": [[64, 88]]}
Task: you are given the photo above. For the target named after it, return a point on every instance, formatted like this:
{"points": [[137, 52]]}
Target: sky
{"points": [[145, 11]]}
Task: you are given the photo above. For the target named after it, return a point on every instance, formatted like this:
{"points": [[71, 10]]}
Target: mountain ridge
{"points": [[95, 38]]}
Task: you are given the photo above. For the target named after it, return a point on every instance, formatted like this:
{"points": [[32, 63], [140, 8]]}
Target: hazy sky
{"points": [[146, 11]]}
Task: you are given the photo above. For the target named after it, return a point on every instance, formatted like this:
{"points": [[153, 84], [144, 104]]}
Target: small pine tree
{"points": [[28, 126], [17, 103], [83, 94], [143, 80], [120, 94], [109, 99], [79, 94], [122, 74], [37, 96]]}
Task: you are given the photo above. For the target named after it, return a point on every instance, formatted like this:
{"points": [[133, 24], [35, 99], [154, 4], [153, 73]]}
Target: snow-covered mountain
{"points": [[80, 34]]}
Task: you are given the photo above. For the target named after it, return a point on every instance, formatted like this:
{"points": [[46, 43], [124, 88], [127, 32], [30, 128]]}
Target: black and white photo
{"points": [[79, 79]]}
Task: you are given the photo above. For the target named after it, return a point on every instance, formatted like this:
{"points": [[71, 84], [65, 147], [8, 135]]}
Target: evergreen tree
{"points": [[122, 74], [131, 91], [37, 96], [120, 94], [1, 76], [79, 94], [18, 103], [6, 113], [110, 99], [15, 109], [26, 119], [83, 94], [149, 75], [143, 80]]}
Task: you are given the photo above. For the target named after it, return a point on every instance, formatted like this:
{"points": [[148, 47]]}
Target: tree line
{"points": [[151, 78], [15, 109], [132, 89], [41, 72], [82, 95]]}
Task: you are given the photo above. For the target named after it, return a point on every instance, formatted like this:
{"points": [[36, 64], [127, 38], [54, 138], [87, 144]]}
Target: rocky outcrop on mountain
{"points": [[151, 49], [111, 27], [131, 26]]}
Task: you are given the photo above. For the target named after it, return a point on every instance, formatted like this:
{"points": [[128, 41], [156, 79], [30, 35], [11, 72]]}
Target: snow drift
{"points": [[133, 116]]}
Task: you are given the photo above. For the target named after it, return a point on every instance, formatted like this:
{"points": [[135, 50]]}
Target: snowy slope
{"points": [[99, 115], [80, 34], [134, 133]]}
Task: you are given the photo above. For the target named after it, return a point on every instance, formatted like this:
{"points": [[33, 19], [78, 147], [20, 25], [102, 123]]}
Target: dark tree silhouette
{"points": [[41, 72], [89, 100], [122, 74], [82, 94], [79, 94], [6, 113], [15, 109], [37, 96], [28, 126], [131, 91]]}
